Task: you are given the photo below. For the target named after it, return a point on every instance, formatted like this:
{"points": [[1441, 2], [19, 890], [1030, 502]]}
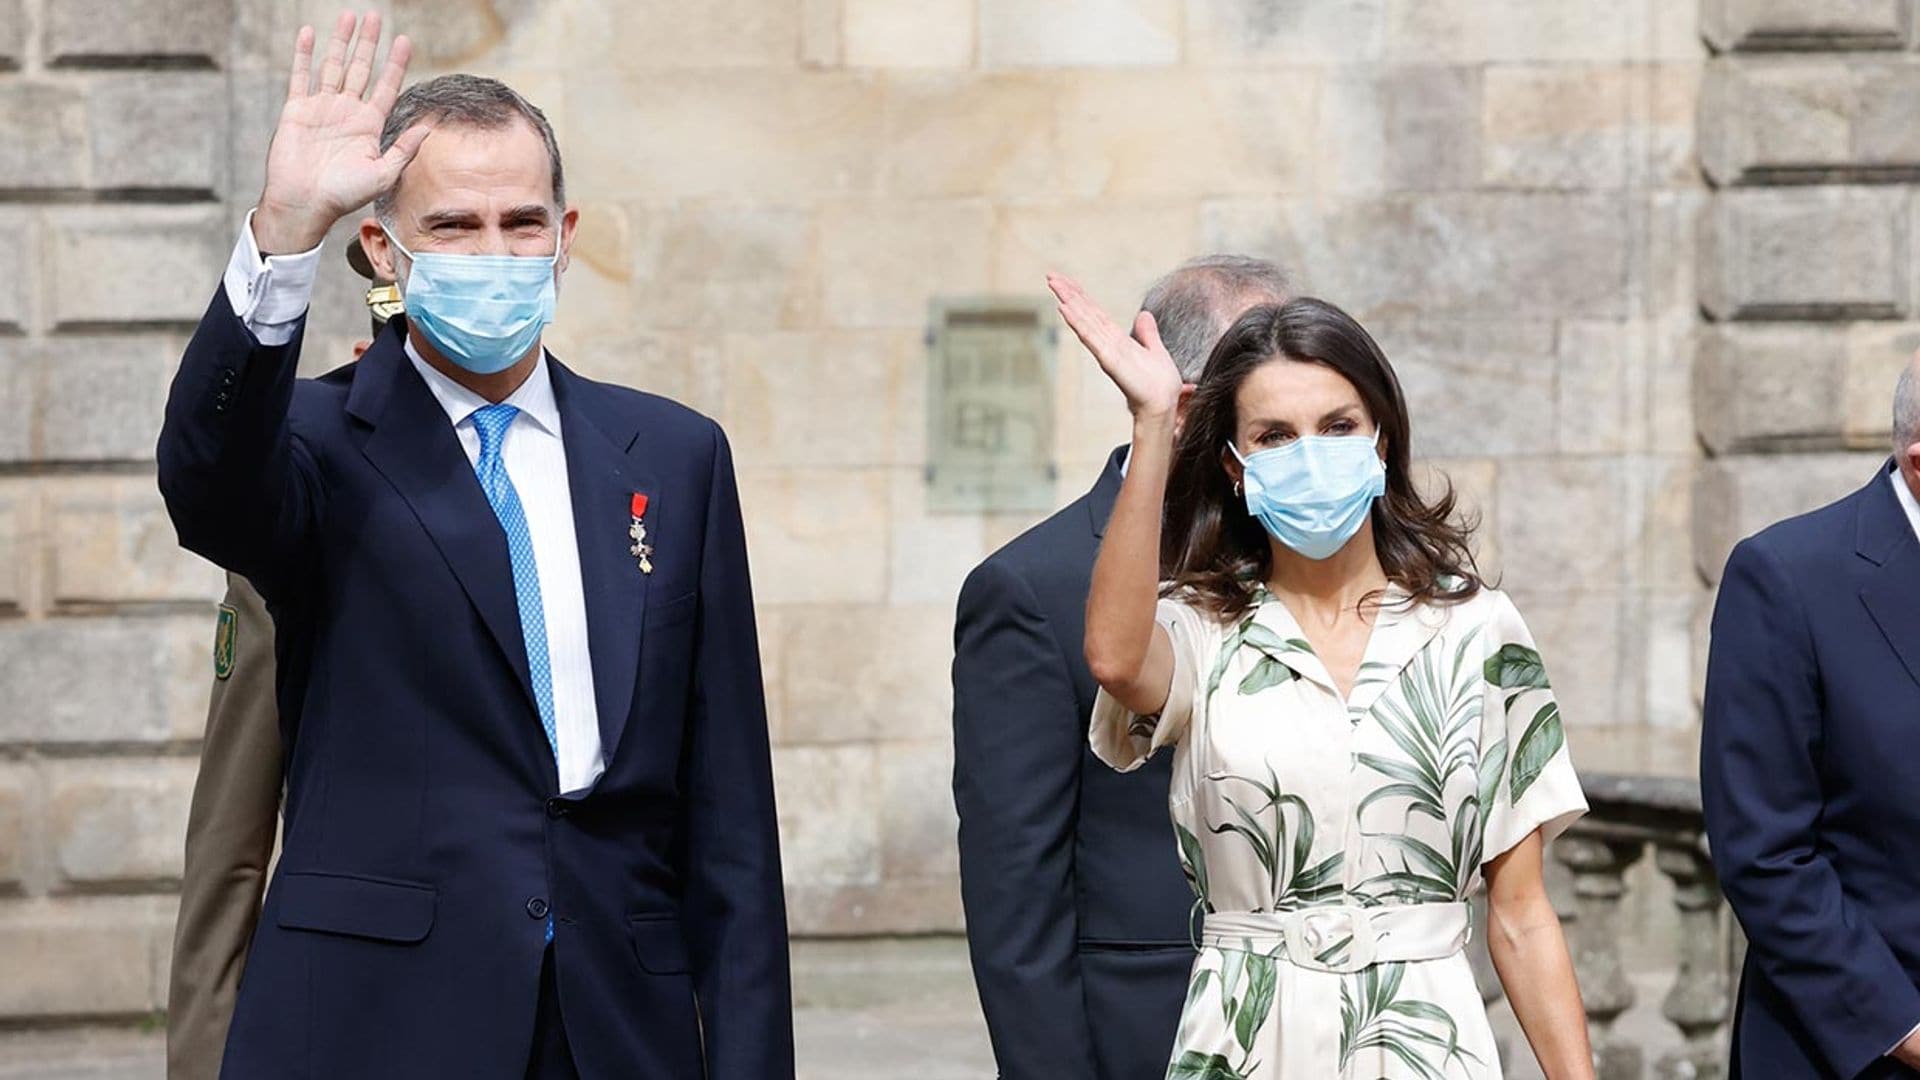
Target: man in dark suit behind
{"points": [[529, 825], [1078, 915], [1808, 780]]}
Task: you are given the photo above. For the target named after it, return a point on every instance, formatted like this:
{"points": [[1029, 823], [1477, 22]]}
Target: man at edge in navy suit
{"points": [[529, 823]]}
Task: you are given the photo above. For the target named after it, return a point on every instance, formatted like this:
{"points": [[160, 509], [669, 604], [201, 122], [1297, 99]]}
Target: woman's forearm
{"points": [[1126, 576], [1530, 954]]}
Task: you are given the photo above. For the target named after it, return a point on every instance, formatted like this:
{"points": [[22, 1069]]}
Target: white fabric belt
{"points": [[1343, 939]]}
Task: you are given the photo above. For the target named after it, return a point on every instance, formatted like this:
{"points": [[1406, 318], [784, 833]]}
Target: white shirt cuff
{"points": [[269, 294], [1903, 1039]]}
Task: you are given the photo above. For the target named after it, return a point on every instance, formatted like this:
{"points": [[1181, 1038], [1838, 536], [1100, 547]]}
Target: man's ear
{"points": [[1913, 458], [569, 224], [380, 252], [1180, 408]]}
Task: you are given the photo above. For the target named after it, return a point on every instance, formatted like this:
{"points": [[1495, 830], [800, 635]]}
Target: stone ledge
{"points": [[1796, 25], [1810, 120], [1821, 254], [1797, 386]]}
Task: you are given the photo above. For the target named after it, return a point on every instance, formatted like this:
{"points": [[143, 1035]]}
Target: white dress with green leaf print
{"points": [[1448, 753]]}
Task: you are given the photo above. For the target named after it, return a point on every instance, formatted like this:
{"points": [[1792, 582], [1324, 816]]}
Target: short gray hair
{"points": [[472, 101], [1199, 299], [1906, 408]]}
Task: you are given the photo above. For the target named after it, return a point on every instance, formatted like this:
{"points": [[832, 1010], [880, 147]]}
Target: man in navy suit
{"points": [[529, 823], [1078, 915], [1808, 779]]}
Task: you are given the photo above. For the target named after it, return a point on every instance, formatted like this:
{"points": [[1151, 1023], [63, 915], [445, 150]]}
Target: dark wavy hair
{"points": [[1213, 551]]}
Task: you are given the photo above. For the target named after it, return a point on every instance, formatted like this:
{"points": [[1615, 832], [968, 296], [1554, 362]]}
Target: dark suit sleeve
{"points": [[230, 832], [1017, 749], [240, 487], [735, 912], [1760, 779]]}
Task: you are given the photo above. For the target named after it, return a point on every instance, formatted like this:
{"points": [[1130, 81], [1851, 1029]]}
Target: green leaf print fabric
{"points": [[1447, 752]]}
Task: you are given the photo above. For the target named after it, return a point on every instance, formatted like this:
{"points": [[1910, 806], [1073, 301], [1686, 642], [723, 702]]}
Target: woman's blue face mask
{"points": [[1314, 492], [483, 312]]}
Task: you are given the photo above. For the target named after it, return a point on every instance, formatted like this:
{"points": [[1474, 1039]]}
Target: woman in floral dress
{"points": [[1362, 731]]}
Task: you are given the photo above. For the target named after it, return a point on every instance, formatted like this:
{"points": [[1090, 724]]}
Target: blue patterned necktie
{"points": [[490, 422]]}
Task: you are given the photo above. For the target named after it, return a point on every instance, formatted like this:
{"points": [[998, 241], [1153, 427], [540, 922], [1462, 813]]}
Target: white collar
{"points": [[1907, 502], [534, 397]]}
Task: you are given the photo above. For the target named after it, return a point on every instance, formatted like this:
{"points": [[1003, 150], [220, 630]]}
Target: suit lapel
{"points": [[415, 448], [1106, 492], [603, 481], [1892, 594]]}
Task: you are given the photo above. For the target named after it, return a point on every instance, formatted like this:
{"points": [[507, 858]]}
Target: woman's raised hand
{"points": [[1138, 364]]}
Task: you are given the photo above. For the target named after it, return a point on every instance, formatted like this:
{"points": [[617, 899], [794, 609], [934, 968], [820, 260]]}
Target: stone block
{"points": [[918, 822], [118, 821], [1185, 133], [19, 400], [745, 135], [881, 263], [112, 542], [1876, 355], [102, 396], [912, 907], [1796, 121], [1765, 25], [859, 674], [111, 33], [101, 679], [820, 33], [1401, 128], [885, 34], [714, 34], [20, 544], [19, 798], [1114, 249], [730, 266], [931, 554], [19, 259], [687, 366], [82, 957], [1079, 33], [1738, 495], [13, 24], [1666, 657], [1770, 387], [1598, 362], [159, 130], [1811, 253], [1561, 523], [817, 536], [1557, 126], [1242, 32], [145, 266], [1466, 31], [815, 399], [1474, 388], [829, 806], [1525, 255], [45, 126], [1475, 484], [958, 135]]}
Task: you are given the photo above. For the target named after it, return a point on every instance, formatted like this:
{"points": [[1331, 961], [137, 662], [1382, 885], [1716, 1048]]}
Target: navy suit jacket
{"points": [[425, 841], [1811, 786], [1078, 915]]}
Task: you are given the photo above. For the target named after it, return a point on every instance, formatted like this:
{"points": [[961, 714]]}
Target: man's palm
{"points": [[326, 159]]}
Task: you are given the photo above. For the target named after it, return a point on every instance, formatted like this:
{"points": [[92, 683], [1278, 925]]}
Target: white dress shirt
{"points": [[1907, 502], [270, 295]]}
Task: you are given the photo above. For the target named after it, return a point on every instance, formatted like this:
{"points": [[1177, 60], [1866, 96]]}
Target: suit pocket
{"points": [[376, 908], [657, 944], [672, 612]]}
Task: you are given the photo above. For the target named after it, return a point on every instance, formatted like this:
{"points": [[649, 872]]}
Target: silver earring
{"points": [[1236, 489]]}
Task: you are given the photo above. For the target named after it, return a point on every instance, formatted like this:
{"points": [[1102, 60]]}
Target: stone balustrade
{"points": [[1632, 817]]}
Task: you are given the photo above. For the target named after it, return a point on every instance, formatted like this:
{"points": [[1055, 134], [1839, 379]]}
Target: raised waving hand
{"points": [[326, 159], [1138, 364]]}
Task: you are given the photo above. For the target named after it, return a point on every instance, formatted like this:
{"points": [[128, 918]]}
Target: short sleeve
{"points": [[1527, 780], [1125, 740]]}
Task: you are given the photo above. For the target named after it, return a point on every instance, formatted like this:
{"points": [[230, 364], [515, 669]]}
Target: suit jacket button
{"points": [[556, 808], [536, 908]]}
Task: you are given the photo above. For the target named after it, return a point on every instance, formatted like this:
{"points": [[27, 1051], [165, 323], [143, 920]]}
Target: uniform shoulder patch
{"points": [[225, 641]]}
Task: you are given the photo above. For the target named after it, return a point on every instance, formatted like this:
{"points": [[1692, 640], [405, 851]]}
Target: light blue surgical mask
{"points": [[482, 312], [1315, 492]]}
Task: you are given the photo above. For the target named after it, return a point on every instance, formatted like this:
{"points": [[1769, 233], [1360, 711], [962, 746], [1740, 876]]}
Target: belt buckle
{"points": [[1336, 939]]}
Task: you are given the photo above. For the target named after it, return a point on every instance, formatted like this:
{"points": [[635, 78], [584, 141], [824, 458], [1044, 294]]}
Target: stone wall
{"points": [[1506, 191]]}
